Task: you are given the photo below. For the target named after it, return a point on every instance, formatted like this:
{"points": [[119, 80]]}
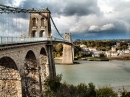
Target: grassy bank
{"points": [[97, 59], [119, 58]]}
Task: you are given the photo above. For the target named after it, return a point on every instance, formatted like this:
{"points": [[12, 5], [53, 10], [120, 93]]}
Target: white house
{"points": [[113, 49], [128, 46], [83, 46], [96, 54], [127, 51], [92, 49], [112, 54], [108, 54]]}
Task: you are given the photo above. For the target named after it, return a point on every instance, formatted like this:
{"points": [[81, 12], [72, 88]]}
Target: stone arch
{"points": [[30, 55], [43, 51], [42, 33], [10, 80], [31, 76]]}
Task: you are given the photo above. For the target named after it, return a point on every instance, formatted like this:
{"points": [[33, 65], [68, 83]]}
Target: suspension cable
{"points": [[7, 25], [9, 9], [56, 28]]}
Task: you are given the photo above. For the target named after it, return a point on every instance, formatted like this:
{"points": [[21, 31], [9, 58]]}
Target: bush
{"points": [[102, 55], [105, 92], [124, 93], [54, 88]]}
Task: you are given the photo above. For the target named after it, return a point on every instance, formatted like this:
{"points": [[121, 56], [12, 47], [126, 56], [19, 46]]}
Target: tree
{"points": [[105, 92], [102, 55], [59, 47], [108, 48], [92, 44], [124, 47]]}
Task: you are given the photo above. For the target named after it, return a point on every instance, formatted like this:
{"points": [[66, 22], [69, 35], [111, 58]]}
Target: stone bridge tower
{"points": [[68, 51], [40, 25]]}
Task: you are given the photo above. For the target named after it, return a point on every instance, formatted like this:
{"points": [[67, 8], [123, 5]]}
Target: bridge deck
{"points": [[11, 42]]}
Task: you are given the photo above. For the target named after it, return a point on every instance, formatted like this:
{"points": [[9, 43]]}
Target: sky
{"points": [[84, 19]]}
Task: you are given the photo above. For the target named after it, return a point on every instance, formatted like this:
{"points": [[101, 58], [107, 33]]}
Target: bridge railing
{"points": [[12, 40], [58, 39]]}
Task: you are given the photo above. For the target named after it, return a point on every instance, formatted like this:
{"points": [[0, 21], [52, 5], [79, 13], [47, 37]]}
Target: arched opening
{"points": [[34, 33], [43, 65], [10, 80], [42, 33], [42, 22], [43, 52], [31, 76], [30, 55], [34, 22]]}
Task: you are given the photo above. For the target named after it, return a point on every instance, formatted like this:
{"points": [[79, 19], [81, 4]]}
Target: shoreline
{"points": [[58, 60]]}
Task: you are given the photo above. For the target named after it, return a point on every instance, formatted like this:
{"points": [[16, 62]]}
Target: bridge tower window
{"points": [[34, 22], [42, 33], [34, 34], [42, 21]]}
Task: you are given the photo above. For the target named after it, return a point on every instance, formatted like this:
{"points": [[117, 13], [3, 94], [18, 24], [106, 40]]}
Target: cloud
{"points": [[7, 2], [65, 8], [86, 17], [107, 27], [81, 8], [93, 28]]}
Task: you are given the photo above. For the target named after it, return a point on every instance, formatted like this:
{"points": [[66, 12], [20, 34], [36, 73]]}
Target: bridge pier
{"points": [[67, 54], [51, 62], [31, 76], [68, 51]]}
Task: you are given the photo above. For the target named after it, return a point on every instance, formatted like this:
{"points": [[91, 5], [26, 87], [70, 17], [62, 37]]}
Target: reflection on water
{"points": [[113, 73]]}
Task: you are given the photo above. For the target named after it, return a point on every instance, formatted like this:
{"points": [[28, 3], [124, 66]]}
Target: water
{"points": [[102, 73]]}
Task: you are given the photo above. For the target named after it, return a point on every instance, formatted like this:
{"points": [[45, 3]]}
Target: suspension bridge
{"points": [[26, 60]]}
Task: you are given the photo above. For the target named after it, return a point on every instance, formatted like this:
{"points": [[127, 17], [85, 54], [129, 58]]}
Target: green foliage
{"points": [[77, 52], [105, 92], [84, 90], [104, 45], [108, 48], [124, 92], [77, 48], [58, 55], [59, 47], [54, 88], [122, 47], [102, 55], [80, 54], [55, 83]]}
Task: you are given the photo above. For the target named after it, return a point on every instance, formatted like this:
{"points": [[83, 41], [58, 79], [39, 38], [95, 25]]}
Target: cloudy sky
{"points": [[84, 19]]}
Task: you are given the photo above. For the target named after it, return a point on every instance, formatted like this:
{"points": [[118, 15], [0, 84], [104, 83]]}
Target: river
{"points": [[114, 73]]}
